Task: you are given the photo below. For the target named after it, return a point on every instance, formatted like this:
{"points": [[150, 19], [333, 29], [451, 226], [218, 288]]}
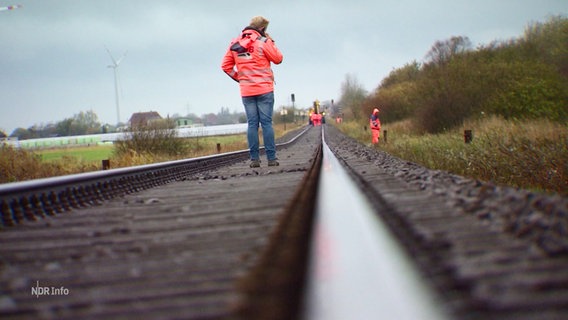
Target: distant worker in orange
{"points": [[375, 124], [316, 119]]}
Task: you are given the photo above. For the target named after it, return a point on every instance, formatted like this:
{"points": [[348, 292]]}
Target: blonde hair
{"points": [[259, 22]]}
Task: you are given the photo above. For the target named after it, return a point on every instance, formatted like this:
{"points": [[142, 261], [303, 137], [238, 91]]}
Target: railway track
{"points": [[211, 238]]}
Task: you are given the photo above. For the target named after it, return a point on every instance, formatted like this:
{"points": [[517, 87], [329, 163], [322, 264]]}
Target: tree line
{"points": [[87, 122], [84, 122], [522, 78]]}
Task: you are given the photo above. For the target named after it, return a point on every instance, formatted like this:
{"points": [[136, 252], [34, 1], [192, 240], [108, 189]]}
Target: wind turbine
{"points": [[114, 65]]}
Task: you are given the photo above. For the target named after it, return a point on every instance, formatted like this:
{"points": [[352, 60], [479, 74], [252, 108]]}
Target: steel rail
{"points": [[272, 288], [357, 268], [35, 199]]}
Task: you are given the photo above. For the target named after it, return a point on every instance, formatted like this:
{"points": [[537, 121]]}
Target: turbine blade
{"points": [[112, 58], [121, 58]]}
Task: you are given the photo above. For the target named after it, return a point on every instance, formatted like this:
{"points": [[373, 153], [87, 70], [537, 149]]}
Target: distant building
{"points": [[143, 118], [13, 141], [184, 122]]}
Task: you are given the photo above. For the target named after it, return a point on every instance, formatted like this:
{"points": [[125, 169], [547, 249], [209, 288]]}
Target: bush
{"points": [[397, 102], [530, 90], [19, 165], [525, 78], [156, 138]]}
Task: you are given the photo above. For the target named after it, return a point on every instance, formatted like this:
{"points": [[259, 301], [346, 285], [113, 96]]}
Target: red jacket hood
{"points": [[248, 36]]}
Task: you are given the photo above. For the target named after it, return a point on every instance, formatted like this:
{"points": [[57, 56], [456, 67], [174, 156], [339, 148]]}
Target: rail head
{"points": [[357, 268]]}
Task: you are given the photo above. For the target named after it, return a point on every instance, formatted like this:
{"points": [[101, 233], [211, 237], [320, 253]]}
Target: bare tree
{"points": [[352, 97], [81, 123], [442, 51]]}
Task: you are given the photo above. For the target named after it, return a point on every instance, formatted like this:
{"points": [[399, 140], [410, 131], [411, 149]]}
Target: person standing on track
{"points": [[375, 125], [247, 61]]}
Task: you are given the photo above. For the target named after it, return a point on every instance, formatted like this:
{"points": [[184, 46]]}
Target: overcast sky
{"points": [[53, 61]]}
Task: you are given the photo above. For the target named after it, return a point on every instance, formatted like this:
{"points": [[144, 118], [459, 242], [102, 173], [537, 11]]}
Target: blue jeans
{"points": [[259, 110]]}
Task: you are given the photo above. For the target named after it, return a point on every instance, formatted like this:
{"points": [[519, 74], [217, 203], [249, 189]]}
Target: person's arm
{"points": [[272, 52], [228, 65]]}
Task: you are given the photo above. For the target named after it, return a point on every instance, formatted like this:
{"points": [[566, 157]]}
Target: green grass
{"points": [[20, 164], [92, 153]]}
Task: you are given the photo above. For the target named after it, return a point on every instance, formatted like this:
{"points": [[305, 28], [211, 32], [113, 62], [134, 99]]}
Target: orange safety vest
{"points": [[247, 61], [316, 119]]}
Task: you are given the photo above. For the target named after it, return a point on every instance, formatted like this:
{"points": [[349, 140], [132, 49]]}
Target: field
{"points": [[19, 164], [524, 154], [92, 153]]}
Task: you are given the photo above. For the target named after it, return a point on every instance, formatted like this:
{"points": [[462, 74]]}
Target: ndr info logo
{"points": [[49, 291]]}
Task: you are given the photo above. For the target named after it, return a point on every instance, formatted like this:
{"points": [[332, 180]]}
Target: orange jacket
{"points": [[316, 119], [251, 54]]}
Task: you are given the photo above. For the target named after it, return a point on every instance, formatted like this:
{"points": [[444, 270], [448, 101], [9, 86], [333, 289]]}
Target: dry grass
{"points": [[19, 165], [525, 154]]}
